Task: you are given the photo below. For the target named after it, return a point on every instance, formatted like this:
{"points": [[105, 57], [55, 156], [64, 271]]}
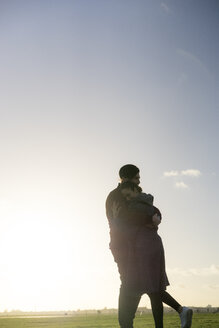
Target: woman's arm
{"points": [[130, 216]]}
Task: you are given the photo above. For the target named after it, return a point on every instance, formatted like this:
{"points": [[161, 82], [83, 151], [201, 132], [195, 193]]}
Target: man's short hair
{"points": [[128, 171], [130, 185]]}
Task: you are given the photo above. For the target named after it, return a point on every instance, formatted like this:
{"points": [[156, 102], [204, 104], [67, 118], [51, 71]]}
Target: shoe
{"points": [[186, 317]]}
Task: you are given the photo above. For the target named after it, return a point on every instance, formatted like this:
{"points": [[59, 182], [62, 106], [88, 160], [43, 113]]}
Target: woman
{"points": [[143, 271]]}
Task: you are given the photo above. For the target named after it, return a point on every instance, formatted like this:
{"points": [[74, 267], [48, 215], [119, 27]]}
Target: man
{"points": [[115, 200], [124, 226], [119, 241]]}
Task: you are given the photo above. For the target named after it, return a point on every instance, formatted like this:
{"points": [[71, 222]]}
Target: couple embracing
{"points": [[138, 251]]}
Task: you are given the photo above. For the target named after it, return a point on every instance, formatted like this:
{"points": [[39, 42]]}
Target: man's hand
{"points": [[115, 209], [156, 219]]}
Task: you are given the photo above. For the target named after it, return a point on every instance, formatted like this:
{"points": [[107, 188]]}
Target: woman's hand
{"points": [[156, 219], [115, 209]]}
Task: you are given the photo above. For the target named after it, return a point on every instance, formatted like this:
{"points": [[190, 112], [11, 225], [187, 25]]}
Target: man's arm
{"points": [[113, 197]]}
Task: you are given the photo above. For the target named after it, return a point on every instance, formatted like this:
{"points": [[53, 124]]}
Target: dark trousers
{"points": [[128, 304], [130, 296]]}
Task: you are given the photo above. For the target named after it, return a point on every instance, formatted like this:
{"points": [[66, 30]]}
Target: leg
{"points": [[169, 300], [128, 304], [157, 309], [184, 312]]}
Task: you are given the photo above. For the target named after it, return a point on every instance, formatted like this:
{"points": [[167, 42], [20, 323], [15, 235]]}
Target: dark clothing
{"points": [[124, 228], [157, 300], [128, 304], [114, 196], [144, 265], [149, 261], [135, 244], [139, 253], [131, 216], [143, 269], [141, 200]]}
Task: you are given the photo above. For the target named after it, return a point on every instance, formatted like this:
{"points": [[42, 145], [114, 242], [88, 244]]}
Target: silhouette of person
{"points": [[138, 251]]}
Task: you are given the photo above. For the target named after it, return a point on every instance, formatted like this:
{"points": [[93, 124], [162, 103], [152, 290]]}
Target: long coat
{"points": [[136, 246]]}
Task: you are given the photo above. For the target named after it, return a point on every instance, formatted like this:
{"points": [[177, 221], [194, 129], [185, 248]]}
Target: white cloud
{"points": [[191, 173], [181, 185], [184, 173], [171, 173], [209, 271], [212, 270], [192, 58], [188, 172], [165, 7]]}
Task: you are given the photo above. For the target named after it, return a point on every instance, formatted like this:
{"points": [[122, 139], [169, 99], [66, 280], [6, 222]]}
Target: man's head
{"points": [[130, 190], [129, 172]]}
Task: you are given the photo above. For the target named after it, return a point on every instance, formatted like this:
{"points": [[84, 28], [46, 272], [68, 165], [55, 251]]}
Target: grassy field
{"points": [[107, 321]]}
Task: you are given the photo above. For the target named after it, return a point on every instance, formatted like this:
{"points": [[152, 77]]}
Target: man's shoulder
{"points": [[114, 194], [114, 191], [146, 198]]}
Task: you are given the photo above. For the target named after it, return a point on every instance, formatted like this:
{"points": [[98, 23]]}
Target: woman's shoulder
{"points": [[146, 198]]}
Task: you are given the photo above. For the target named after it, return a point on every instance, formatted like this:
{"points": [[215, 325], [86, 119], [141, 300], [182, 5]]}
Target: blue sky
{"points": [[88, 86]]}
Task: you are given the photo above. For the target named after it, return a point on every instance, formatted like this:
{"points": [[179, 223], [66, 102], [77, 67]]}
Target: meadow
{"points": [[200, 320]]}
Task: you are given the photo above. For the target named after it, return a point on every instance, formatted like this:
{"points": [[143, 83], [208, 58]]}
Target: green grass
{"points": [[107, 321]]}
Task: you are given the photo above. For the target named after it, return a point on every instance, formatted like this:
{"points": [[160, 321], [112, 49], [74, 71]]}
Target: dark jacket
{"points": [[124, 228], [144, 203]]}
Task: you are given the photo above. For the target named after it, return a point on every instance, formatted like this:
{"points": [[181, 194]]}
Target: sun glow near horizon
{"points": [[40, 253]]}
